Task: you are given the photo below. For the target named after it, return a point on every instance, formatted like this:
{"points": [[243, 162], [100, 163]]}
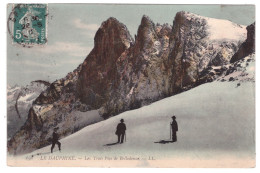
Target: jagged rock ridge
{"points": [[122, 74]]}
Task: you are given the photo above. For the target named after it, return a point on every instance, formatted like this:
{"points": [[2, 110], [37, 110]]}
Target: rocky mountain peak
{"points": [[146, 35], [251, 37], [179, 17], [113, 30], [120, 74], [248, 46], [146, 22], [198, 42], [110, 20], [111, 40]]}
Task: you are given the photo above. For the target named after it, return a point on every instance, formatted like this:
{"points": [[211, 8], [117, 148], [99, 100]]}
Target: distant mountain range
{"points": [[19, 101]]}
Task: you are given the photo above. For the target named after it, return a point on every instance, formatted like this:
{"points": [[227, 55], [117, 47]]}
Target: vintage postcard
{"points": [[130, 85]]}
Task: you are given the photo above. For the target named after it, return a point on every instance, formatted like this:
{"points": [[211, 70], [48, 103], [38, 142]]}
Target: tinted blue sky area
{"points": [[72, 27]]}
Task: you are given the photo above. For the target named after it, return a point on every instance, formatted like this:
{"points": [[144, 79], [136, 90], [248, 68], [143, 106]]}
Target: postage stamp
{"points": [[29, 24]]}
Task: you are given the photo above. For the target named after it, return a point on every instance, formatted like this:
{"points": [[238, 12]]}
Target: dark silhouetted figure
{"points": [[174, 127], [55, 139], [120, 131]]}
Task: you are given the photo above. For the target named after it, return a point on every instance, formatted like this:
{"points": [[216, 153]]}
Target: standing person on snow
{"points": [[55, 139], [174, 128], [120, 131]]}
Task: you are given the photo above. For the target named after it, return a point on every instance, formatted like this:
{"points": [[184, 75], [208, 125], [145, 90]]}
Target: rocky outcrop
{"points": [[142, 71], [239, 71], [19, 102], [55, 89], [121, 74], [51, 108], [99, 72], [248, 46], [195, 44]]}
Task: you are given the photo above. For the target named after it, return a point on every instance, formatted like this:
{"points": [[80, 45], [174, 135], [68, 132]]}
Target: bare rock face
{"points": [[99, 72], [121, 74], [240, 71], [198, 42], [248, 46], [146, 35], [51, 108], [142, 71]]}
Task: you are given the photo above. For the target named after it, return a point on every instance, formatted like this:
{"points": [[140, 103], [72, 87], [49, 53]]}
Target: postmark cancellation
{"points": [[28, 24]]}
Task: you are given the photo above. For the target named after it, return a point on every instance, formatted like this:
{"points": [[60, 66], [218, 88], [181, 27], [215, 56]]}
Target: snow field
{"points": [[216, 120]]}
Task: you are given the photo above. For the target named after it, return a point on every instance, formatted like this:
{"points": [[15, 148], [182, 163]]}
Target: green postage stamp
{"points": [[29, 24]]}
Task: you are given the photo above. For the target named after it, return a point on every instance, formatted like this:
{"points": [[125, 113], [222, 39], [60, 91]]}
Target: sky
{"points": [[71, 29]]}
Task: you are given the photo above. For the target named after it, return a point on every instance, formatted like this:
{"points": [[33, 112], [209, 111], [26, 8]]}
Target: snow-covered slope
{"points": [[225, 30], [163, 60], [216, 128]]}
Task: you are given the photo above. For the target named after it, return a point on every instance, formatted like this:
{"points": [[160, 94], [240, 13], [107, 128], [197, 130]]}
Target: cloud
{"points": [[88, 30], [81, 25], [57, 55], [30, 63], [69, 48], [88, 34]]}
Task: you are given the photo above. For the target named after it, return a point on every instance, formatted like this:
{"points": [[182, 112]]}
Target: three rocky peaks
{"points": [[122, 73]]}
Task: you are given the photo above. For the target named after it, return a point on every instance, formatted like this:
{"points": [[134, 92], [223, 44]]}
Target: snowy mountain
{"points": [[122, 73], [19, 101], [214, 128]]}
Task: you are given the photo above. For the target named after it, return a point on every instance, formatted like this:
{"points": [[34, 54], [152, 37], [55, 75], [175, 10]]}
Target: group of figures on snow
{"points": [[120, 132]]}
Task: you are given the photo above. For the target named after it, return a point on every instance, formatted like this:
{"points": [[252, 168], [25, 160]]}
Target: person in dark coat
{"points": [[55, 139], [120, 131], [174, 127]]}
